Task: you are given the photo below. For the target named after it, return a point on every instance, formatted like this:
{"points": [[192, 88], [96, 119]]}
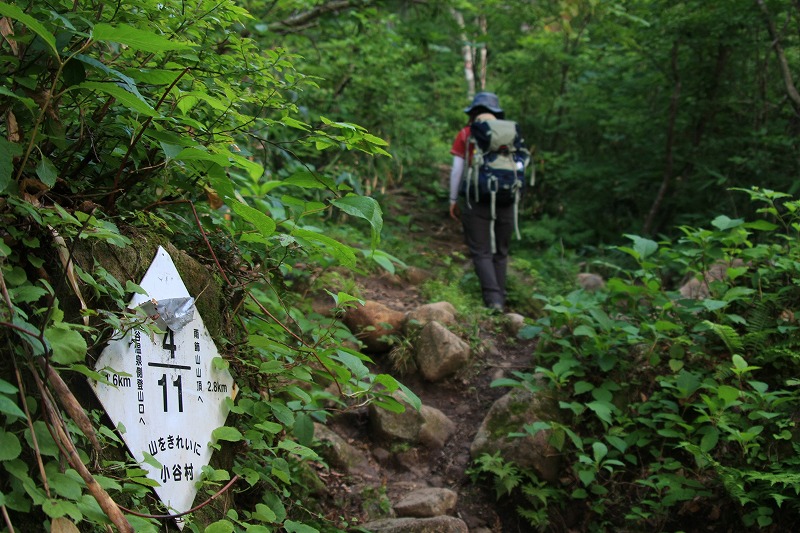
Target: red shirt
{"points": [[460, 143]]}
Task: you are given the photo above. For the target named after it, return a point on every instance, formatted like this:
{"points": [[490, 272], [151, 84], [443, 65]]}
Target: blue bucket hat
{"points": [[487, 100]]}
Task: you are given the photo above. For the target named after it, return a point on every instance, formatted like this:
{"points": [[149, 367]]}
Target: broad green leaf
{"points": [[599, 451], [56, 508], [7, 388], [9, 407], [309, 180], [220, 526], [145, 41], [738, 362], [263, 223], [728, 393], [342, 253], [227, 433], [68, 345], [44, 439], [263, 513], [47, 172], [8, 151], [366, 208], [10, 448], [353, 364], [303, 429], [723, 222], [64, 485], [709, 440], [296, 527], [642, 247], [124, 97], [586, 476], [284, 415], [271, 367], [603, 410], [298, 449], [13, 12]]}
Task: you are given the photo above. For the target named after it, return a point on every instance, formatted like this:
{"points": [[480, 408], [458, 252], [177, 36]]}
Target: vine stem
{"points": [[192, 510], [7, 519], [138, 137], [67, 448]]}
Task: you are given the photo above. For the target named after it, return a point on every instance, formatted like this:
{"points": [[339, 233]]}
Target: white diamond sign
{"points": [[165, 393]]}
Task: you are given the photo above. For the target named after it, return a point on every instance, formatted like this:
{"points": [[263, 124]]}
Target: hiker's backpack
{"points": [[496, 175]]}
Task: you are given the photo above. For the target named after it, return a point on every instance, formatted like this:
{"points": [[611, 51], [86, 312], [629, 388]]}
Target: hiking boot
{"points": [[495, 307]]}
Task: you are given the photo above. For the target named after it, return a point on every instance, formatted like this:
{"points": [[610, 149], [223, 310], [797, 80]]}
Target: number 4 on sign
{"points": [[169, 346]]}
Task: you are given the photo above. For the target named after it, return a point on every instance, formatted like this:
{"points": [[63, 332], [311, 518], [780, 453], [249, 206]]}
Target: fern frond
{"points": [[728, 335]]}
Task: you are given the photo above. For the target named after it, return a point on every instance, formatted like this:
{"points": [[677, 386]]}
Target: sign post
{"points": [[164, 393]]}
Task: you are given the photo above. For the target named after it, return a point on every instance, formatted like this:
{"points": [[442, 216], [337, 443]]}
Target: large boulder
{"points": [[436, 427], [508, 415], [428, 426], [427, 502], [373, 323], [388, 425], [442, 312], [340, 454], [440, 352]]}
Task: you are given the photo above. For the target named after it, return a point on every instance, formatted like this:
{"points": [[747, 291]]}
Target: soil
{"points": [[465, 398]]}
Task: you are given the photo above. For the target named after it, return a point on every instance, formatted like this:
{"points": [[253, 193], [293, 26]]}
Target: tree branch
{"points": [[788, 81]]}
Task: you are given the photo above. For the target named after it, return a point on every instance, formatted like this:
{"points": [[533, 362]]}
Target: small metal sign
{"points": [[164, 393]]}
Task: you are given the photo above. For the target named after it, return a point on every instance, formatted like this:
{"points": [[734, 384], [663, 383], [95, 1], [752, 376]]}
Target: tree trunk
{"points": [[670, 145], [467, 53], [788, 80]]}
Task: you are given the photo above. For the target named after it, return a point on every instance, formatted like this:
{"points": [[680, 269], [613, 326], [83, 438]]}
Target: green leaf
{"points": [[308, 180], [47, 172], [263, 513], [271, 367], [584, 331], [220, 526], [13, 12], [642, 247], [603, 410], [64, 485], [68, 345], [709, 440], [227, 433], [303, 429], [124, 97], [296, 527], [586, 476], [728, 393], [263, 223], [366, 208], [145, 41], [10, 448], [298, 449], [342, 253], [7, 388], [599, 450], [44, 439], [723, 222], [8, 151], [56, 508]]}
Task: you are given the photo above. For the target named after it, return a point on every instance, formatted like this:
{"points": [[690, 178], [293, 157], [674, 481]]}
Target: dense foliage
{"points": [[247, 132], [676, 406]]}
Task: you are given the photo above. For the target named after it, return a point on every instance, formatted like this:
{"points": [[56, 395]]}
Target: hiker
{"points": [[488, 225]]}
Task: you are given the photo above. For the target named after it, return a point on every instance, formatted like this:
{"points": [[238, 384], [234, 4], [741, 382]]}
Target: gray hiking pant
{"points": [[490, 268]]}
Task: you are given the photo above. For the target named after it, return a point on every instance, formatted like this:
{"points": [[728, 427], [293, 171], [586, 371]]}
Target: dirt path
{"points": [[464, 398]]}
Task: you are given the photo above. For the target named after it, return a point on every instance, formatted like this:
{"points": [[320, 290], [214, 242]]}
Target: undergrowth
{"points": [[673, 411]]}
